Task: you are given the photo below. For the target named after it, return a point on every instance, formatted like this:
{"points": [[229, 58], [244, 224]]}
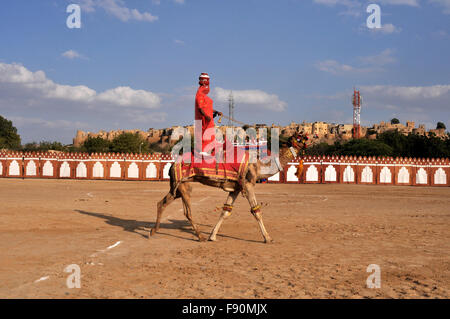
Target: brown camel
{"points": [[255, 172]]}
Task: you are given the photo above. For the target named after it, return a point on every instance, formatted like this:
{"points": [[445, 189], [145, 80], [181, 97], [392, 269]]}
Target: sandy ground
{"points": [[325, 238]]}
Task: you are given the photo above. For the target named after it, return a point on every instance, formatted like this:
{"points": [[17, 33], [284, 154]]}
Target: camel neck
{"points": [[285, 156]]}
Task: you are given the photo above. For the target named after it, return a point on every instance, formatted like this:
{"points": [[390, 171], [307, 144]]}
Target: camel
{"points": [[255, 172]]}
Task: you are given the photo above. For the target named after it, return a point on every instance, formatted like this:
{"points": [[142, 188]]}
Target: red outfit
{"points": [[204, 102]]}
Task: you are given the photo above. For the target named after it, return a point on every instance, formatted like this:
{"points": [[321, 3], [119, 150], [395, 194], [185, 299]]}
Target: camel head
{"points": [[291, 147], [299, 142]]}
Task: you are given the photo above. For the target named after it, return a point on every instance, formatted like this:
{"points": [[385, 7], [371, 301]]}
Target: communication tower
{"points": [[357, 102], [230, 109]]}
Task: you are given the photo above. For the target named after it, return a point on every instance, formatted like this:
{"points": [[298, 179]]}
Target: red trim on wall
{"points": [[428, 168]]}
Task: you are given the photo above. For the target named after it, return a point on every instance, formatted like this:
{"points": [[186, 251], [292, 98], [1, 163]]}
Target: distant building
{"points": [[319, 131]]}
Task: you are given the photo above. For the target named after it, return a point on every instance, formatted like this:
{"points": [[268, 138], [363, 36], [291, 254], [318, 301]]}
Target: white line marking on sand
{"points": [[115, 245], [93, 264], [203, 199], [90, 195], [42, 279], [108, 248]]}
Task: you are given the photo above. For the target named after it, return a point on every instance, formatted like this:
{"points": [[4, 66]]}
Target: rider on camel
{"points": [[205, 113]]}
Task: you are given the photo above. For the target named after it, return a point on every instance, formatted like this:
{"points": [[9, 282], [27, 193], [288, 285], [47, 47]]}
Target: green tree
{"points": [[414, 145], [96, 145], [44, 146], [395, 121], [30, 147], [365, 147], [440, 125], [355, 147], [130, 143], [8, 135], [322, 149], [166, 149], [397, 141], [390, 143]]}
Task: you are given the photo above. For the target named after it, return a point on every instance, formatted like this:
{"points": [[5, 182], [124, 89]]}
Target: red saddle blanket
{"points": [[187, 166]]}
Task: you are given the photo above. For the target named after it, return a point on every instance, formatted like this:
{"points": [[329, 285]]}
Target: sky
{"points": [[134, 64]]}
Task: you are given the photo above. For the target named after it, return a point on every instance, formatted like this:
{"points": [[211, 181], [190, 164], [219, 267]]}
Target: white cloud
{"points": [[117, 9], [419, 103], [356, 3], [399, 94], [334, 67], [347, 3], [440, 35], [412, 3], [88, 5], [158, 2], [179, 42], [384, 58], [38, 83], [20, 121], [37, 86], [353, 7], [72, 54], [357, 8], [256, 98], [422, 104], [408, 93], [127, 97], [372, 63], [443, 3], [139, 117], [388, 29]]}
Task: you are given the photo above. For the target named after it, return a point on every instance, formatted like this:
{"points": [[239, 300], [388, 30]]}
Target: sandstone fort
{"points": [[319, 131]]}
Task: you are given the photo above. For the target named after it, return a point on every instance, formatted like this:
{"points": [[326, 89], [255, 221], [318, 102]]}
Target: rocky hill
{"points": [[319, 131]]}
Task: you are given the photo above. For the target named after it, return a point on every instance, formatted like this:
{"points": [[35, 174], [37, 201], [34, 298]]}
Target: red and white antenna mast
{"points": [[357, 102]]}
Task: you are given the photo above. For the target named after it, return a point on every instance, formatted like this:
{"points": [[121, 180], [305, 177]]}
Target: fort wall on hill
{"points": [[319, 131]]}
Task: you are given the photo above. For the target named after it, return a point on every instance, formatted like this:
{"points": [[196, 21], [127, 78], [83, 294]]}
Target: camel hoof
{"points": [[201, 239], [268, 241], [152, 232], [212, 239]]}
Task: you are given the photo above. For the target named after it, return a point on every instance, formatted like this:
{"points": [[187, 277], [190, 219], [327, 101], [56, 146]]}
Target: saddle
{"points": [[195, 164]]}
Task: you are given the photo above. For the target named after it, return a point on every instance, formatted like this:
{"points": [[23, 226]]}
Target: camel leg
{"points": [[161, 206], [256, 211], [226, 212], [186, 197]]}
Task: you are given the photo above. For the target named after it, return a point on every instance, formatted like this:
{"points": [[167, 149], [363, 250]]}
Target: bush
{"points": [[414, 145], [96, 145], [158, 148], [44, 146], [130, 143], [365, 147], [391, 143], [356, 147], [440, 125]]}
